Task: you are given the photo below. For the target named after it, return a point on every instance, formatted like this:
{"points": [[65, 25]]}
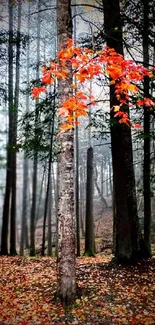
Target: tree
{"points": [[89, 228], [127, 232], [124, 75], [35, 156], [24, 232], [66, 235], [147, 140], [47, 198], [14, 141], [6, 207], [86, 64]]}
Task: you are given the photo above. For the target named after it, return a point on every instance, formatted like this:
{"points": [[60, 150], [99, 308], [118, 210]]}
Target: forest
{"points": [[77, 157]]}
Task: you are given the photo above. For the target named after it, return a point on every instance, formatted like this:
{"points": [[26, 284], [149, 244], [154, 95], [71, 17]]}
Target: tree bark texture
{"points": [[147, 161], [127, 235], [7, 196], [65, 213]]}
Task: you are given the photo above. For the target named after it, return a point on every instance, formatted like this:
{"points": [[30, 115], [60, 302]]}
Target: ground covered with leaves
{"points": [[110, 295]]}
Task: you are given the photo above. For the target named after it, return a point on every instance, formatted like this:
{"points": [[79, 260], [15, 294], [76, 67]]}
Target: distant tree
{"points": [[7, 196], [24, 230], [47, 197], [35, 155], [89, 220], [14, 140]]}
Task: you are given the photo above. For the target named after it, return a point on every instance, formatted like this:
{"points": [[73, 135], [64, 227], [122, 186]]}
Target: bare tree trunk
{"points": [[102, 180], [110, 176], [39, 210], [82, 202], [50, 203], [6, 207], [107, 178], [89, 229], [127, 237], [103, 200], [147, 162], [55, 186], [14, 151], [76, 162], [48, 180], [24, 230], [66, 219], [24, 207], [35, 157], [77, 196]]}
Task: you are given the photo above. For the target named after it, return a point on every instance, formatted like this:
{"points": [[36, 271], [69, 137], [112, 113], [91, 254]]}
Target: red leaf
{"points": [[37, 90], [136, 125]]}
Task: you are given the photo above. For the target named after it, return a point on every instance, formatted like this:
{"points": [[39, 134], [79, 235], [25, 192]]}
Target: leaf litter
{"points": [[110, 295]]}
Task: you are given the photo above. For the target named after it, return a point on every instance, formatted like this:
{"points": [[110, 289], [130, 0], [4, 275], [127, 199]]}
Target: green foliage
{"points": [[36, 137], [100, 124]]}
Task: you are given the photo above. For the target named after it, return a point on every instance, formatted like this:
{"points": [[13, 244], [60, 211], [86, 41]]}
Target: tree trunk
{"points": [[103, 200], [77, 193], [48, 180], [66, 219], [24, 232], [49, 236], [89, 229], [6, 207], [82, 202], [24, 207], [102, 180], [127, 237], [35, 157], [110, 176], [76, 157], [14, 140], [147, 162], [39, 210]]}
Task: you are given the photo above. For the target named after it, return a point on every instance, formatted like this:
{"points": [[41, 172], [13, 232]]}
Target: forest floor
{"points": [[111, 295]]}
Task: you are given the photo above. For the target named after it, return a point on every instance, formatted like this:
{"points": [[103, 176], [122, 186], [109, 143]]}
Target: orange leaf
{"points": [[66, 126], [46, 79], [74, 86], [37, 90]]}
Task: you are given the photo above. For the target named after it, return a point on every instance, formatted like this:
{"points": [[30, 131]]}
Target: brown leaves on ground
{"points": [[110, 295]]}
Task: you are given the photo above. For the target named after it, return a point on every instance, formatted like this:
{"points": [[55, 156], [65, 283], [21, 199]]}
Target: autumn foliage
{"points": [[82, 65], [109, 295]]}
